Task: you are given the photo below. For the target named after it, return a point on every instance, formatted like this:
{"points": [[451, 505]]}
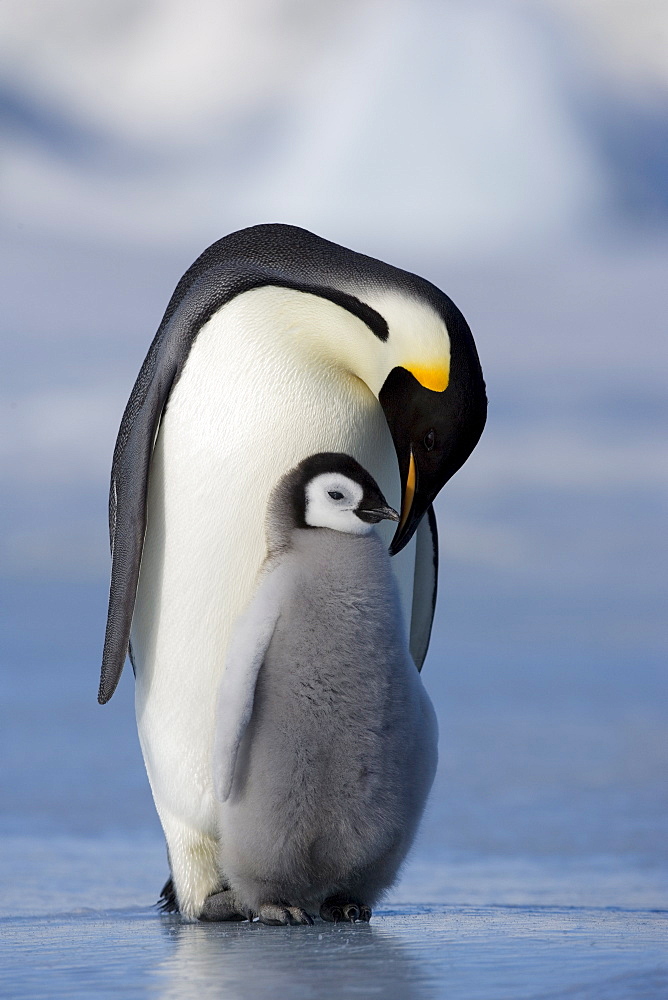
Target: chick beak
{"points": [[374, 514]]}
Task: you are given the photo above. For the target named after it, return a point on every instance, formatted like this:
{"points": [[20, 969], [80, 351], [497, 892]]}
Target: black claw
{"points": [[351, 912]]}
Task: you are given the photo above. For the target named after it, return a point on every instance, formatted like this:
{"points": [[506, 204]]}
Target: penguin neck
{"points": [[280, 521], [418, 338], [324, 336], [328, 336]]}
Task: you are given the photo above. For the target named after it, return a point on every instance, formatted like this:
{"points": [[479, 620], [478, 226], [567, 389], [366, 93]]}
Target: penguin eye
{"points": [[335, 495], [429, 439]]}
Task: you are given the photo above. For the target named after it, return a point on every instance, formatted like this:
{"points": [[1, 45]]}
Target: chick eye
{"points": [[429, 439], [335, 495]]}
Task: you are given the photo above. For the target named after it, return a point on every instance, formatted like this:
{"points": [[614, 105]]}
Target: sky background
{"points": [[516, 154]]}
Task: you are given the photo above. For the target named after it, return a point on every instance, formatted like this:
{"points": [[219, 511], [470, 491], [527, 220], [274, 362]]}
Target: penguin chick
{"points": [[326, 741]]}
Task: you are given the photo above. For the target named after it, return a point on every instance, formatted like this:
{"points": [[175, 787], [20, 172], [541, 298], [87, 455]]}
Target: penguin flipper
{"points": [[246, 652], [127, 505], [425, 584]]}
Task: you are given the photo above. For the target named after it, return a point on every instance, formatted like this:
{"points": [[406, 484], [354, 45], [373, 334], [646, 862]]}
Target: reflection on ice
{"points": [[411, 952], [249, 962]]}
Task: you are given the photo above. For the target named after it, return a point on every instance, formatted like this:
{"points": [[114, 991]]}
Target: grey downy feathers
{"points": [[325, 745]]}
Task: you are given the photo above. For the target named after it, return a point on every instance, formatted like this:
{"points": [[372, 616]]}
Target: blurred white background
{"points": [[432, 126], [515, 153]]}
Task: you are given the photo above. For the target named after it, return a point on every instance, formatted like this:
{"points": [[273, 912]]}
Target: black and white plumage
{"points": [[275, 345], [326, 740]]}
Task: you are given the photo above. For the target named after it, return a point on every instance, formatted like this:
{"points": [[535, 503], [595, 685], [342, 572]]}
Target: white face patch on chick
{"points": [[331, 502]]}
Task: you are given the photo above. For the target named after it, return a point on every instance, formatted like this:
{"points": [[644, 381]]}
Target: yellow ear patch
{"points": [[435, 378], [409, 492]]}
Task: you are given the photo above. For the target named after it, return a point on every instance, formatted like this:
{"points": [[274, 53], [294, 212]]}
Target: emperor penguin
{"points": [[276, 345], [326, 740]]}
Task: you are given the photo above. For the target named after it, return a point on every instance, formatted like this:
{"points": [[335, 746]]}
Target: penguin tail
{"points": [[167, 902]]}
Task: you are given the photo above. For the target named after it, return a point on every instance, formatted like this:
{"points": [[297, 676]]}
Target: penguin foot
{"points": [[276, 914], [223, 906], [337, 909]]}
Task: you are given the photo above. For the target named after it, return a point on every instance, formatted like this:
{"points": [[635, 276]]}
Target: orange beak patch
{"points": [[435, 378], [409, 492]]}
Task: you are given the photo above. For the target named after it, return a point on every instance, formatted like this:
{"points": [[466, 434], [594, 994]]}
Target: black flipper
{"points": [[127, 509], [425, 583]]}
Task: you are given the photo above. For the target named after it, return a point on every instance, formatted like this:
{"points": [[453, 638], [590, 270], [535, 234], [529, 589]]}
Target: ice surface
{"points": [[407, 953]]}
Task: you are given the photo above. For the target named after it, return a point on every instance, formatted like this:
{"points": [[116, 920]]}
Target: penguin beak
{"points": [[434, 432], [409, 490], [413, 505], [375, 513], [390, 514]]}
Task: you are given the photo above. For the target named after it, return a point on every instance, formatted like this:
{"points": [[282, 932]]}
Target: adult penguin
{"points": [[276, 344]]}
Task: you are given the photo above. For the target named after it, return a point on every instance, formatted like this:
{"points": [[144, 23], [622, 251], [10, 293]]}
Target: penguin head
{"points": [[332, 490], [428, 381], [392, 331]]}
